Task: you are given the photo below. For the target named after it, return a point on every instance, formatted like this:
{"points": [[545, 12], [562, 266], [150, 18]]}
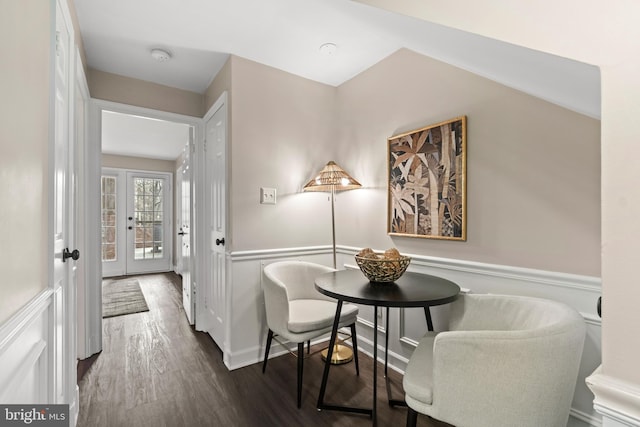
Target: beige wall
{"points": [[78, 38], [24, 147], [126, 90], [533, 169], [534, 166], [602, 33], [283, 131], [221, 83]]}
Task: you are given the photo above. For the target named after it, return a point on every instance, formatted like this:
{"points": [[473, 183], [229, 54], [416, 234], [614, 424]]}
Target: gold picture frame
{"points": [[427, 182]]}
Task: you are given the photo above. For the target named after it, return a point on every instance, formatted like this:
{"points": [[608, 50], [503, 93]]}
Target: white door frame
{"points": [[124, 263], [204, 239], [93, 169], [81, 121], [63, 146]]}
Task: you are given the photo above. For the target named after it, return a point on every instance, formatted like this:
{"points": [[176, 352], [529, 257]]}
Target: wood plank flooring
{"points": [[156, 370]]}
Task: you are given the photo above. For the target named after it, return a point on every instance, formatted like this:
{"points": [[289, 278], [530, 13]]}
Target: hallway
{"points": [[155, 370]]}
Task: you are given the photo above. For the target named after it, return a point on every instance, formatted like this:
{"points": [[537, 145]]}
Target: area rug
{"points": [[121, 297]]}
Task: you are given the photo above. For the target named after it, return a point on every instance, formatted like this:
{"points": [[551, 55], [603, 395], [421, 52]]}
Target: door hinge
{"points": [[57, 43]]}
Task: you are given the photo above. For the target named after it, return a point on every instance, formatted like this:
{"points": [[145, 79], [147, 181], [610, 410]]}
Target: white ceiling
{"points": [[286, 34], [128, 135]]}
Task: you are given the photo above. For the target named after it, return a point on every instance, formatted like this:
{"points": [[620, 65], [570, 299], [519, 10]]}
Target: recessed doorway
{"points": [[140, 141]]}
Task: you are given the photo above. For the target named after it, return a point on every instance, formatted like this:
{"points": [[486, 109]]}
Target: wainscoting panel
{"points": [[24, 353], [246, 312], [406, 327]]}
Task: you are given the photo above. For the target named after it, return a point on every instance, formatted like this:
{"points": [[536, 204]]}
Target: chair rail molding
{"points": [[617, 400], [263, 254]]}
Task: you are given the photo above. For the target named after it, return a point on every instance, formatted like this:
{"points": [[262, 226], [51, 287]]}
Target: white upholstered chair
{"points": [[297, 312], [506, 361]]}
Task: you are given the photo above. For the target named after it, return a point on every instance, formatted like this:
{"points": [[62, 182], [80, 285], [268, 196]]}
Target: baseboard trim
{"points": [[586, 418]]}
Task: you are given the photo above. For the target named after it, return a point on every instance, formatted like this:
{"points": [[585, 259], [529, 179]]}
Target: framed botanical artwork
{"points": [[427, 181]]}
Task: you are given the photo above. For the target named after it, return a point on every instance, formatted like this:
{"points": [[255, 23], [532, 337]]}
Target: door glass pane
{"points": [[148, 197], [109, 218]]}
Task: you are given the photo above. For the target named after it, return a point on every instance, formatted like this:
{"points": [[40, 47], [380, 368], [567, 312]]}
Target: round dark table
{"points": [[410, 290]]}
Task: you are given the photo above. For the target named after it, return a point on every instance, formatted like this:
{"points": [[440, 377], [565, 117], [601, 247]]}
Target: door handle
{"points": [[75, 255], [182, 233], [220, 242]]}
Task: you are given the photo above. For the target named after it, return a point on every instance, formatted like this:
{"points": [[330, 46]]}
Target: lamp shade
{"points": [[332, 177]]}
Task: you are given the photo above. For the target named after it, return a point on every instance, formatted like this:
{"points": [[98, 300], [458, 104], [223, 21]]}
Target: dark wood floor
{"points": [[156, 370]]}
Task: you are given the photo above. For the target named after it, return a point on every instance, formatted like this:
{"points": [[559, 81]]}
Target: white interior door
{"points": [[184, 231], [81, 92], [215, 208], [60, 217], [63, 350]]}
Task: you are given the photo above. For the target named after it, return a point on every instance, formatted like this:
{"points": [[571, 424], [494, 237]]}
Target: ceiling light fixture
{"points": [[328, 49], [160, 55]]}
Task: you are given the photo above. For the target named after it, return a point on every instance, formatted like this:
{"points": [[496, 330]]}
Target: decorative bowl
{"points": [[382, 270]]}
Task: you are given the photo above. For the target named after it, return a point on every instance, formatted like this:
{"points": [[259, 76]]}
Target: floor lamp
{"points": [[333, 178]]}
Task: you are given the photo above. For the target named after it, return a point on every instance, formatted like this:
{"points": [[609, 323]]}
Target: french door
{"points": [[136, 222]]}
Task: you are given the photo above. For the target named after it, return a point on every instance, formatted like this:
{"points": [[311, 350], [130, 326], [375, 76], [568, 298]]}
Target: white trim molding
{"points": [[617, 400], [25, 352], [279, 253]]}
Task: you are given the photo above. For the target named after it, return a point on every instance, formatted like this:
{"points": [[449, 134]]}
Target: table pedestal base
{"points": [[341, 354]]}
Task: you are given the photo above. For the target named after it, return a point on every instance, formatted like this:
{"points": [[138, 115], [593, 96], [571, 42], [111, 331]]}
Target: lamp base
{"points": [[341, 354]]}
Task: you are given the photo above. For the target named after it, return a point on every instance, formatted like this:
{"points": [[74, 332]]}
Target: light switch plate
{"points": [[267, 196]]}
